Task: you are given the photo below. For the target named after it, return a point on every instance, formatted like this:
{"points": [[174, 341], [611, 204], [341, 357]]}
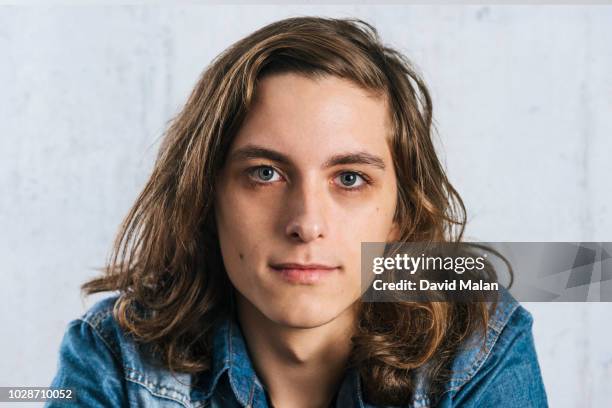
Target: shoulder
{"points": [[503, 367], [96, 334], [95, 344], [99, 322], [90, 363], [100, 311], [508, 319]]}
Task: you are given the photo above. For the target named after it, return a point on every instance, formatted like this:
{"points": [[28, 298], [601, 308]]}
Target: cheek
{"points": [[371, 222], [237, 250], [242, 223]]}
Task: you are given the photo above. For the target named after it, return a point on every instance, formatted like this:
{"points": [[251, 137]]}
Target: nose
{"points": [[307, 214]]}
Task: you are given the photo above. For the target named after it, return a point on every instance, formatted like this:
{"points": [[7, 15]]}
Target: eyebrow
{"points": [[259, 152]]}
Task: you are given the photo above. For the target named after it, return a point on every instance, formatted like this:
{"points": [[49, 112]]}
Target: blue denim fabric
{"points": [[104, 367]]}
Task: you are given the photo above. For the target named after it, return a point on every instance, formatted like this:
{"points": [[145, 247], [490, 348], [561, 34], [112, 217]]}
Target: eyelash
{"points": [[366, 180]]}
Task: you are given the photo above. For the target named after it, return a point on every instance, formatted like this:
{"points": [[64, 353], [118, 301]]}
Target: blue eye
{"points": [[351, 179], [265, 173]]}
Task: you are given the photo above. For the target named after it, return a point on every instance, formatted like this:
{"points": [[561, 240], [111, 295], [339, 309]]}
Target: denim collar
{"points": [[230, 356]]}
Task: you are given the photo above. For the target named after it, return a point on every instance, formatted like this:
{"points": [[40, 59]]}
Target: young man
{"points": [[238, 268]]}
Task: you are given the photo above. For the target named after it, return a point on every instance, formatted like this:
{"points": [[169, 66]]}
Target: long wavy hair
{"points": [[166, 261]]}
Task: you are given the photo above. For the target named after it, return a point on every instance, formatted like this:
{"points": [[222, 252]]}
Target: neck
{"points": [[299, 367]]}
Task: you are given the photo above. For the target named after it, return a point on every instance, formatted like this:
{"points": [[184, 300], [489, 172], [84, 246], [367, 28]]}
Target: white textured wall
{"points": [[523, 103]]}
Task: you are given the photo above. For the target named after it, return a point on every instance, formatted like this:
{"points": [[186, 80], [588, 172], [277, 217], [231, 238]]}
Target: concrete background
{"points": [[522, 99]]}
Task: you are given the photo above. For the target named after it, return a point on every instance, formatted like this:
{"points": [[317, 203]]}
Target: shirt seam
{"points": [[148, 386], [102, 338], [159, 390]]}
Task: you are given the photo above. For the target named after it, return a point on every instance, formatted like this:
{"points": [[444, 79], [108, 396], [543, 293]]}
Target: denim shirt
{"points": [[101, 363]]}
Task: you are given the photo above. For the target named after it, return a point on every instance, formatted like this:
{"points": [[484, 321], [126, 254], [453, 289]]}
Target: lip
{"points": [[303, 274]]}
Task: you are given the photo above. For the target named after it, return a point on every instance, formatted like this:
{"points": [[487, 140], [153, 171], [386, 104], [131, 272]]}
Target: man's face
{"points": [[308, 177]]}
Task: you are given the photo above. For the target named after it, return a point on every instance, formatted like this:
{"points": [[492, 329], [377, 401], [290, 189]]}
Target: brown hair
{"points": [[166, 260]]}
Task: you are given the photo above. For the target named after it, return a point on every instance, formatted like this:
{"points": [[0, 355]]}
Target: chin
{"points": [[305, 317]]}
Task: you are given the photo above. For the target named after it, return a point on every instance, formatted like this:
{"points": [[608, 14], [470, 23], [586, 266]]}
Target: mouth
{"points": [[303, 274]]}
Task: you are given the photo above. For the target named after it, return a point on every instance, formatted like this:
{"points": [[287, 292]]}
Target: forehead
{"points": [[315, 116]]}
